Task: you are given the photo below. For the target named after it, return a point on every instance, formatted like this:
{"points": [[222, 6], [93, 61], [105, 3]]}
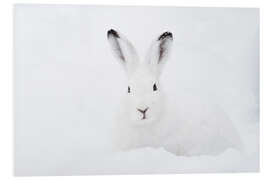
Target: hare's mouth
{"points": [[143, 112], [144, 117]]}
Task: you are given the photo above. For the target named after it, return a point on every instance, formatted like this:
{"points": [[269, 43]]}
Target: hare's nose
{"points": [[142, 111]]}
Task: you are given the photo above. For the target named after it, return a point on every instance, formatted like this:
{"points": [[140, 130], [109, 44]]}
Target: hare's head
{"points": [[144, 93]]}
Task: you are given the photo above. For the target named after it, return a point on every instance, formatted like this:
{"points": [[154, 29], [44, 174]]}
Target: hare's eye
{"points": [[128, 89], [155, 87]]}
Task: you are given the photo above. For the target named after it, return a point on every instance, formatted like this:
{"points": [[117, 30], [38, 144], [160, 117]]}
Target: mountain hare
{"points": [[146, 121]]}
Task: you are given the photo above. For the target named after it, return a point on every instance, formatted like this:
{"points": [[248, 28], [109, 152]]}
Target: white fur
{"points": [[181, 130]]}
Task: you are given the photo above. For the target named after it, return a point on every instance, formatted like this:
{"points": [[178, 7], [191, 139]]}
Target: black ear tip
{"points": [[165, 35], [112, 32]]}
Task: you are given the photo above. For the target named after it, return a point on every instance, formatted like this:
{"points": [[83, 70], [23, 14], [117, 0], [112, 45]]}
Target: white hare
{"points": [[145, 119]]}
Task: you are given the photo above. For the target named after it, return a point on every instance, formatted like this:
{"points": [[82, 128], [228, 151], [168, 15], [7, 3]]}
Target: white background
{"points": [[68, 85], [7, 94]]}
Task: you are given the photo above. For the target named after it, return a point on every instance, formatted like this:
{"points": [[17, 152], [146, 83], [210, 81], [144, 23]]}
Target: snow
{"points": [[68, 85]]}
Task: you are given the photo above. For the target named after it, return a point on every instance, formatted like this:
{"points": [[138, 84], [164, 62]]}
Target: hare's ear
{"points": [[123, 50], [159, 51]]}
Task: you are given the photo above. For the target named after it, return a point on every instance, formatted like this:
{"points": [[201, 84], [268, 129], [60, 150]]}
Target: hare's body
{"points": [[146, 120], [181, 131]]}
